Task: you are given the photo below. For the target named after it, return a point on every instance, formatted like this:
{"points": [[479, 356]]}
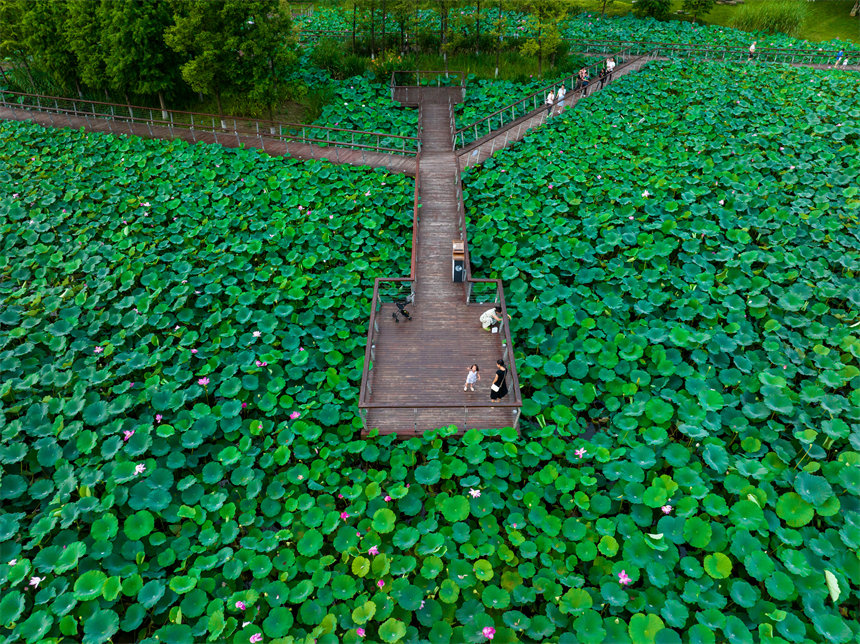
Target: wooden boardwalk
{"points": [[420, 367], [482, 149], [272, 146]]}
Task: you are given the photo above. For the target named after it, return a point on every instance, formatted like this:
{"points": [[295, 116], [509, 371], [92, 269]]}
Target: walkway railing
{"points": [[406, 85], [526, 107], [485, 291], [391, 290], [120, 118], [729, 54]]}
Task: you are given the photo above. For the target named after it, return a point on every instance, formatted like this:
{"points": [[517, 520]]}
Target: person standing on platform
{"points": [[499, 388], [752, 50], [608, 68], [550, 99], [562, 92], [472, 376]]}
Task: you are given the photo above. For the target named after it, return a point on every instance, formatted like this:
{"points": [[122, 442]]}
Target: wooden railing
{"points": [[728, 54], [531, 104], [198, 122], [378, 299], [473, 286]]}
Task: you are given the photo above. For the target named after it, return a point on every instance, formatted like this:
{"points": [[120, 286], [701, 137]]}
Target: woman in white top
{"points": [[561, 94], [550, 99]]}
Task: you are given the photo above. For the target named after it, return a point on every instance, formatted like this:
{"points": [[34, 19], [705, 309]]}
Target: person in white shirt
{"points": [[752, 50], [562, 92], [550, 99], [608, 67]]}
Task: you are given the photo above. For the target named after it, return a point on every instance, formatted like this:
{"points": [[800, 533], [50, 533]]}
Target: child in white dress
{"points": [[472, 376]]}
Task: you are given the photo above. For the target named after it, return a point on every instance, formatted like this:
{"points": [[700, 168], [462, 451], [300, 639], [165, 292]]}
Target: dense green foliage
{"points": [[594, 26], [150, 292], [685, 278], [163, 48]]}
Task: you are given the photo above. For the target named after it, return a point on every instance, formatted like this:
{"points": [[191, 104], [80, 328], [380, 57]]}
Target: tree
{"points": [[44, 33], [603, 6], [267, 53], [211, 34], [653, 8], [698, 7], [137, 59], [855, 10], [12, 35], [84, 27], [544, 18]]}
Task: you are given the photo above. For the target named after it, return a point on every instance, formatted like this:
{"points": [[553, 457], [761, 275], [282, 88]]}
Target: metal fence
{"points": [[194, 126]]}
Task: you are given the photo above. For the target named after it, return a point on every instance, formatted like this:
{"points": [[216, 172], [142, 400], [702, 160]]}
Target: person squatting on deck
{"points": [[491, 319]]}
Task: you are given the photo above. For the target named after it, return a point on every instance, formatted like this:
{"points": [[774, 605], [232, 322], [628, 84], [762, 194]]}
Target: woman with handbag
{"points": [[499, 388]]}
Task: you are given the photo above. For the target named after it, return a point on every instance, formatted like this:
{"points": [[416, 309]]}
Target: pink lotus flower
{"points": [[260, 426], [380, 583], [193, 351], [258, 363], [646, 194], [474, 493], [666, 509], [176, 328], [580, 452], [35, 581], [256, 334], [373, 550], [126, 435], [722, 202], [203, 381], [344, 515], [489, 632], [357, 534], [265, 364], [623, 579], [256, 637], [244, 405], [301, 349], [140, 468], [387, 498], [98, 350], [294, 415], [630, 217], [359, 632], [240, 605], [158, 418]]}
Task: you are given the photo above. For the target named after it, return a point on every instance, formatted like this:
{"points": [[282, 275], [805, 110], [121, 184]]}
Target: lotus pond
{"points": [[681, 252], [206, 482], [581, 26]]}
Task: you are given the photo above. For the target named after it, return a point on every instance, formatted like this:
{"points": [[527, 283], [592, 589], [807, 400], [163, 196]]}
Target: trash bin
{"points": [[458, 261]]}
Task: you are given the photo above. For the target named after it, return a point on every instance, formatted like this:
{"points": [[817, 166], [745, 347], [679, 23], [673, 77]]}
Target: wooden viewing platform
{"points": [[415, 370]]}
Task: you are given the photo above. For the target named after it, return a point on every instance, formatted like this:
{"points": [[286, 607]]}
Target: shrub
{"points": [[780, 16], [331, 56], [653, 8]]}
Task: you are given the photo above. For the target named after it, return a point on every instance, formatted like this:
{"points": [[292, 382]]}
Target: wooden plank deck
{"points": [[272, 146], [483, 148], [420, 365]]}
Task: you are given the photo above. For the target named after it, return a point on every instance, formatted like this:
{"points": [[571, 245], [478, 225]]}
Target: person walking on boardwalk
{"points": [[752, 51], [562, 92], [608, 67], [550, 99], [499, 388], [583, 80], [473, 375]]}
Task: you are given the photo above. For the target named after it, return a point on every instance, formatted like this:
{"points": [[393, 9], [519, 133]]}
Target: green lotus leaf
{"points": [[718, 565], [644, 628], [392, 630], [384, 520], [794, 510], [100, 626], [11, 607], [89, 585], [310, 543], [138, 525]]}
